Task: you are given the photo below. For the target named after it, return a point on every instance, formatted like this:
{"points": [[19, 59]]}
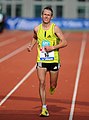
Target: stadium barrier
{"points": [[30, 23]]}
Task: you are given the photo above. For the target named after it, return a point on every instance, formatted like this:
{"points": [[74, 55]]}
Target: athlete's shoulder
{"points": [[36, 28], [57, 28]]}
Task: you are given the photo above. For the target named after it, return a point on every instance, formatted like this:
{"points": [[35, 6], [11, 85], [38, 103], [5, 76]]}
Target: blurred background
{"points": [[63, 9], [32, 8]]}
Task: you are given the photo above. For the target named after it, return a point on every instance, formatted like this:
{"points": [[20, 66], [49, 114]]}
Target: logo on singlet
{"points": [[49, 36], [45, 43]]}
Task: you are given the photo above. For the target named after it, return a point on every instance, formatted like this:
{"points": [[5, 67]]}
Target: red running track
{"points": [[19, 96]]}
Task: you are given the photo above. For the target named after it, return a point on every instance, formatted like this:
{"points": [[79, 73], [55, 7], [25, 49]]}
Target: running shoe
{"points": [[44, 112], [52, 90]]}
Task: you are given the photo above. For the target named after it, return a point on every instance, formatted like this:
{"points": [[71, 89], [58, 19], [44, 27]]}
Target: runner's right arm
{"points": [[33, 42]]}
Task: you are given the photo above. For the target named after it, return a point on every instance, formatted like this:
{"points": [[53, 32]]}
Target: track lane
{"points": [[27, 102], [82, 51], [15, 44], [82, 100], [13, 69], [8, 34]]}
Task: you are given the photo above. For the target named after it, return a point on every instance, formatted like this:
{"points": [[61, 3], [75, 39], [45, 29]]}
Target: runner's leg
{"points": [[41, 72], [53, 78]]}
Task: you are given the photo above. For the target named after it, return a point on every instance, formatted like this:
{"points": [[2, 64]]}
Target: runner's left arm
{"points": [[62, 42]]}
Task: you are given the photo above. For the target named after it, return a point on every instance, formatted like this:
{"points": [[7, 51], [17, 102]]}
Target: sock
{"points": [[44, 106]]}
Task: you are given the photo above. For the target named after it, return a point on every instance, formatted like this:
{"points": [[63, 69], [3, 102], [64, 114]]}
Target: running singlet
{"points": [[47, 38]]}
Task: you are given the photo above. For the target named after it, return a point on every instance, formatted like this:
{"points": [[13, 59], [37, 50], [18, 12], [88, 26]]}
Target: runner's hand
{"points": [[29, 48]]}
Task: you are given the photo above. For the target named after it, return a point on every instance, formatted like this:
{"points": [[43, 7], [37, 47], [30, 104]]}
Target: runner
{"points": [[49, 39]]}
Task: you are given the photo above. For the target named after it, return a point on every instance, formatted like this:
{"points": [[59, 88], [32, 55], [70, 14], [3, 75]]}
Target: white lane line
{"points": [[18, 85], [78, 75], [7, 42], [11, 40], [14, 53], [7, 34]]}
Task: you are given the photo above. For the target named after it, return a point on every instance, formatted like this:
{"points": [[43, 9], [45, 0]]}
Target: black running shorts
{"points": [[49, 66]]}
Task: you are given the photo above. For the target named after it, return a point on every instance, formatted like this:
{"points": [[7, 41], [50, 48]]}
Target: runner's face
{"points": [[46, 16]]}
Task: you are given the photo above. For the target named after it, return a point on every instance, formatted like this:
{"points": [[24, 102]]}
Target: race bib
{"points": [[46, 55]]}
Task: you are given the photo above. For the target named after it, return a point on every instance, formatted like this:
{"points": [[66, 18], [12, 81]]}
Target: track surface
{"points": [[19, 96]]}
